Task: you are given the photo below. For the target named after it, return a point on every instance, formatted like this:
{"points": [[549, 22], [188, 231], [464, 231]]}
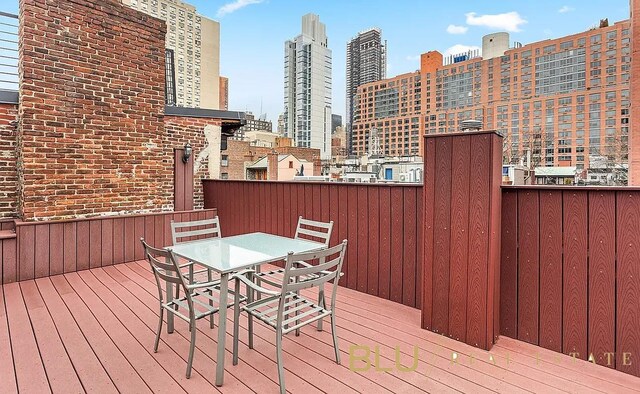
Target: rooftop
{"points": [[93, 331]]}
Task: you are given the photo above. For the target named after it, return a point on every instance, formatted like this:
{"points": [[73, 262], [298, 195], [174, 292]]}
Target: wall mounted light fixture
{"points": [[187, 152]]}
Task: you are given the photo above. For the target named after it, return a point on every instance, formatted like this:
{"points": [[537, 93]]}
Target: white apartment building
{"points": [[307, 87], [193, 53]]}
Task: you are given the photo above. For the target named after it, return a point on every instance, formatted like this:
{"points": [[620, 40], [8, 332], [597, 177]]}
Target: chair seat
{"points": [[275, 277], [299, 311], [201, 298]]}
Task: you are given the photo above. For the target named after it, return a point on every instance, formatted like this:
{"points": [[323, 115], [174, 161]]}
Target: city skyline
{"points": [[251, 43]]}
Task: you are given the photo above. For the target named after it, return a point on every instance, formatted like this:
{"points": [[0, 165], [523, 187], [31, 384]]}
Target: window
{"points": [[225, 161], [290, 164], [170, 80], [224, 175]]}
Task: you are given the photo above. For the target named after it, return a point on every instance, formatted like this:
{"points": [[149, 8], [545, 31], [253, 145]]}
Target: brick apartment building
{"points": [[560, 100], [241, 153]]}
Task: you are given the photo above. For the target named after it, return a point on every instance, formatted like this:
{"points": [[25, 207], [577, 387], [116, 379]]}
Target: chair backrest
{"points": [[314, 231], [296, 275], [164, 267], [206, 227]]}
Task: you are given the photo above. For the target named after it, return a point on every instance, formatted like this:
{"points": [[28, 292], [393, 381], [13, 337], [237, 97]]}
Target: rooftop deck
{"points": [[93, 331]]}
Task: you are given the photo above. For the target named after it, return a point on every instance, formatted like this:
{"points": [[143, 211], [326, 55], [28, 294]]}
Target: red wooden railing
{"points": [[570, 257], [570, 272], [383, 224], [40, 249]]}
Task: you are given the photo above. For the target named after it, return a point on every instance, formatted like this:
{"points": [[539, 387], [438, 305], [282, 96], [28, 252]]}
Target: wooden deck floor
{"points": [[93, 331]]}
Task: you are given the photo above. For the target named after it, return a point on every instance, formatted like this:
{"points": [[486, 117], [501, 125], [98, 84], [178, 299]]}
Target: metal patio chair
{"points": [[198, 300], [285, 309], [180, 235], [310, 230]]}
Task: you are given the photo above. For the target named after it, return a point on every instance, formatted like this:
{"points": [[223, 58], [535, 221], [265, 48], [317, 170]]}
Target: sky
{"points": [[253, 33]]}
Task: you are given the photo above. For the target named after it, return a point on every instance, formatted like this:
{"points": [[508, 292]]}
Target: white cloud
{"points": [[565, 9], [509, 21], [235, 6], [453, 29], [548, 32], [459, 48], [413, 58]]}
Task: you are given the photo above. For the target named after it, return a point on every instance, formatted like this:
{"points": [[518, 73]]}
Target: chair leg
{"points": [[335, 338], [155, 346], [321, 302], [296, 314], [236, 322], [192, 327], [280, 361]]}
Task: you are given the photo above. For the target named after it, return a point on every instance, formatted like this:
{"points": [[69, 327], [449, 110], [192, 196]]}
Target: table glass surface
{"points": [[242, 251]]}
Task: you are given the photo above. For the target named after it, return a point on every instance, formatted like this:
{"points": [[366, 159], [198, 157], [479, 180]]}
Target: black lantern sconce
{"points": [[187, 152]]}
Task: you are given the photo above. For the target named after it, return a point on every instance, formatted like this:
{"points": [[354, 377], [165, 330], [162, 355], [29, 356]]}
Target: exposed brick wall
{"points": [[8, 173], [179, 131], [91, 131], [241, 153]]}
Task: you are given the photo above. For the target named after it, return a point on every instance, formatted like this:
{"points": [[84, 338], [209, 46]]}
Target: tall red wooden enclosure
{"points": [[461, 270]]}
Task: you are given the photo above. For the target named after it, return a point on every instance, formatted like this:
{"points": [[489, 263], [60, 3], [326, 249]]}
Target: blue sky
{"points": [[253, 33]]}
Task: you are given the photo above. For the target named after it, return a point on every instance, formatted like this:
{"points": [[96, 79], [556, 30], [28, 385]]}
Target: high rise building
{"points": [[224, 93], [193, 53], [558, 102], [336, 121], [366, 62], [307, 87]]}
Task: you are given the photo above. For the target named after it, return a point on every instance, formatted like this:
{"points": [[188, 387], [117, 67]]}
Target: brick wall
{"points": [[8, 173], [240, 153], [91, 132], [179, 131]]}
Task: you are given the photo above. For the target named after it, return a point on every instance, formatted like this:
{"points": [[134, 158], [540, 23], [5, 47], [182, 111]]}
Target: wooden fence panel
{"points": [[602, 276], [589, 271], [460, 184], [509, 265], [528, 266], [40, 249], [628, 283], [550, 335], [574, 313]]}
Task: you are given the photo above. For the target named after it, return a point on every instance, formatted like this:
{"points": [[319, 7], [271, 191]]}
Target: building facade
{"points": [[390, 110], [556, 102], [253, 124], [193, 46], [307, 87], [336, 121], [224, 93], [366, 62]]}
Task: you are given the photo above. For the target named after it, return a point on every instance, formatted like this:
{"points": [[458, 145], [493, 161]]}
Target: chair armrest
{"points": [[242, 278]]}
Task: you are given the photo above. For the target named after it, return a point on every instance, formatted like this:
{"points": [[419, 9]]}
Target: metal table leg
{"points": [[222, 328], [169, 315]]}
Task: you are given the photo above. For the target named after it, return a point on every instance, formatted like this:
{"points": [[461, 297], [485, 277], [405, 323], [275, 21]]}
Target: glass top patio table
{"points": [[230, 254]]}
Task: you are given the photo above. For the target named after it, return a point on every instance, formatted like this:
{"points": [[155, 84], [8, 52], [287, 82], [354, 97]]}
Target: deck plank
{"points": [[88, 367], [148, 369], [7, 372], [60, 372], [121, 372], [30, 373]]}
